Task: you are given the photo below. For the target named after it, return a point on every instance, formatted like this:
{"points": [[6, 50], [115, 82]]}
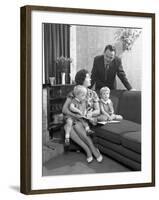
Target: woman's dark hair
{"points": [[80, 76], [110, 47]]}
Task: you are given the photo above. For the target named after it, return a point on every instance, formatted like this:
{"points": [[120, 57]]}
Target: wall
{"points": [[10, 99], [89, 41], [132, 63]]}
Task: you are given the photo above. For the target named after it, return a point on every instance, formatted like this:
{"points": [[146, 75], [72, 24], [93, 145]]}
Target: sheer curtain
{"points": [[56, 44]]}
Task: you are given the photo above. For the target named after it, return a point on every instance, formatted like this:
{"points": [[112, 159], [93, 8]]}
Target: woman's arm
{"points": [[66, 110], [96, 110]]}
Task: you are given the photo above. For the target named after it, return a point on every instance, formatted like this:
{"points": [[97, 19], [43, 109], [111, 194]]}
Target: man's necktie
{"points": [[106, 71]]}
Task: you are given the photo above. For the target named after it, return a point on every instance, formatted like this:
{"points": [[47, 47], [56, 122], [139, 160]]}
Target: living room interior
{"points": [[77, 46]]}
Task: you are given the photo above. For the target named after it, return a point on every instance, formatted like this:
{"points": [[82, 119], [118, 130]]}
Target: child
{"points": [[78, 106], [106, 106]]}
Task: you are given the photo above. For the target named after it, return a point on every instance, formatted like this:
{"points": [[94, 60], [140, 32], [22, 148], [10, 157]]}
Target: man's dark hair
{"points": [[110, 47], [80, 76]]}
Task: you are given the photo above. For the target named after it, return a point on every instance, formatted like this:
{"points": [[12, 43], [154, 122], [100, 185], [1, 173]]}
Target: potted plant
{"points": [[63, 69]]}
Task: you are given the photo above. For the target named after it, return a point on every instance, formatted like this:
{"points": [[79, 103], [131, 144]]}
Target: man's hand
{"points": [[132, 89]]}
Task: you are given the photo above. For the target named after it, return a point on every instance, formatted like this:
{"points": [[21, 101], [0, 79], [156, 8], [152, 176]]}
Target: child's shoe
{"points": [[90, 132], [67, 141]]}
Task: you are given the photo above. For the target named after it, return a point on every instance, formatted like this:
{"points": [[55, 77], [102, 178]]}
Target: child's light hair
{"points": [[79, 89], [104, 89]]}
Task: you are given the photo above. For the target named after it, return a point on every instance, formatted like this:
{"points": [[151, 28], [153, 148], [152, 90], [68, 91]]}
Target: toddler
{"points": [[106, 106], [78, 106]]}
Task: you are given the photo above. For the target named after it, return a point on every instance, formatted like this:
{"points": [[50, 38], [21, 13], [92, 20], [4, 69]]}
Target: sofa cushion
{"points": [[122, 159], [119, 149], [115, 96], [113, 131], [130, 106], [132, 140]]}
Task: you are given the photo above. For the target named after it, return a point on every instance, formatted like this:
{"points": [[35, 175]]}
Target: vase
{"points": [[52, 81], [63, 76]]}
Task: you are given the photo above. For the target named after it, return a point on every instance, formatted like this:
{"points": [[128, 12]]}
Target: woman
{"points": [[77, 132]]}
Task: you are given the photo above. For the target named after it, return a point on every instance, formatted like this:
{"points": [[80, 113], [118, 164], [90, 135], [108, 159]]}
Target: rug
{"points": [[75, 163]]}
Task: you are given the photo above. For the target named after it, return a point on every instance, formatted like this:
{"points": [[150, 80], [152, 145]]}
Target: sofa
{"points": [[122, 141]]}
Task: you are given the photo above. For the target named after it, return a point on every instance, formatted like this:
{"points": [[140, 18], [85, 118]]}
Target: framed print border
{"points": [[26, 95]]}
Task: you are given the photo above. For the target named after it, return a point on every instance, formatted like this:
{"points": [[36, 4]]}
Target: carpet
{"points": [[75, 163]]}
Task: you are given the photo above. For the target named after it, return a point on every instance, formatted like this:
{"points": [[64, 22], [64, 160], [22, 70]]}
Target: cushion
{"points": [[119, 149], [130, 106], [122, 159], [113, 131], [132, 140], [115, 96]]}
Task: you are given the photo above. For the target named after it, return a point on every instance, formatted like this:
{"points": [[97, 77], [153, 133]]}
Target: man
{"points": [[105, 68]]}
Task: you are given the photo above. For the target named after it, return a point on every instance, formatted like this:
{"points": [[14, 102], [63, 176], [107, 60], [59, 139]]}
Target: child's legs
{"points": [[68, 126], [102, 118], [116, 117], [119, 117]]}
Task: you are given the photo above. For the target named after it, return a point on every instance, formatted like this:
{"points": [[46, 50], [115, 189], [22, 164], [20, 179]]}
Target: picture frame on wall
{"points": [[58, 42]]}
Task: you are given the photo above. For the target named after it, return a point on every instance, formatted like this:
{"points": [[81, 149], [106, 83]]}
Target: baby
{"points": [[78, 106], [106, 106]]}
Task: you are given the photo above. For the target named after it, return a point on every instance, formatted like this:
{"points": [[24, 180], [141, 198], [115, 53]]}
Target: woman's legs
{"points": [[82, 133], [74, 136]]}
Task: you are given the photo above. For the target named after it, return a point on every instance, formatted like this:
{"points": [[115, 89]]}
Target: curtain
{"points": [[56, 44]]}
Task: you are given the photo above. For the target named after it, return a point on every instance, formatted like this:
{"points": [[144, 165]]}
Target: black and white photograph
{"points": [[100, 132], [87, 94]]}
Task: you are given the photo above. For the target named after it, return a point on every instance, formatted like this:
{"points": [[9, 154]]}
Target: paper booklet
{"points": [[108, 122], [103, 122]]}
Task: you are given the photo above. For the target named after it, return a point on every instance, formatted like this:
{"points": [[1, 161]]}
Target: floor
{"points": [[66, 163], [58, 162]]}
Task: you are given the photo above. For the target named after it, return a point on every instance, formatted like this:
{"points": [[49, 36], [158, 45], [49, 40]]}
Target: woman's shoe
{"points": [[90, 159], [100, 158]]}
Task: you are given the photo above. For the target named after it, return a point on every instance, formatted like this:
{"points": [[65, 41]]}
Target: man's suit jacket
{"points": [[102, 77]]}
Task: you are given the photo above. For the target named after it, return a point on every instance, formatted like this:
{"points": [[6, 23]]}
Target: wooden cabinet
{"points": [[56, 96]]}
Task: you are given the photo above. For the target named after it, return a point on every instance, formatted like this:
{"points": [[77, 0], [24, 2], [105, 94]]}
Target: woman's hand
{"points": [[93, 121], [78, 116], [80, 113]]}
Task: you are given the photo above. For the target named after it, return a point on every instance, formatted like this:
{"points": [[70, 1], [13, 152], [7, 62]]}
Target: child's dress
{"points": [[108, 108]]}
